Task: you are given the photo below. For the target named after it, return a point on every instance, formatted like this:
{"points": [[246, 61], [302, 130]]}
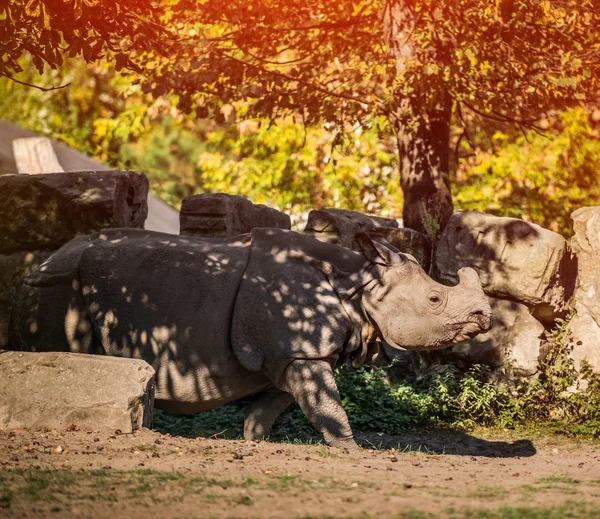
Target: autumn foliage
{"points": [[418, 65]]}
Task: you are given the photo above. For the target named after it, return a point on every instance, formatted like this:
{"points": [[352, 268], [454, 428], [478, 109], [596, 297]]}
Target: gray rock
{"points": [[340, 226], [45, 211], [57, 389], [585, 324], [513, 343], [515, 260], [13, 269], [219, 214]]}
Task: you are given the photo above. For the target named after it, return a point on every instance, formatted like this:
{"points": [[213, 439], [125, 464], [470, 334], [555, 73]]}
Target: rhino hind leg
{"points": [[312, 385], [263, 412], [50, 318]]}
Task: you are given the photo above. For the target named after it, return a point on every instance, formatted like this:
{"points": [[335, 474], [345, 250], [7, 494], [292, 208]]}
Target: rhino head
{"points": [[412, 311]]}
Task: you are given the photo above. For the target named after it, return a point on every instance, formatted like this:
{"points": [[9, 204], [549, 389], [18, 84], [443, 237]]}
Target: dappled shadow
{"points": [[224, 318], [516, 260], [227, 422]]}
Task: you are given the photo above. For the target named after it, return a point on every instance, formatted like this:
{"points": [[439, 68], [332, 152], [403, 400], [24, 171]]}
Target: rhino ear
{"points": [[377, 252]]}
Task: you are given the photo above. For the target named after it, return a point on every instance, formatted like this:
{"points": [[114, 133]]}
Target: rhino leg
{"points": [[312, 385], [263, 412]]}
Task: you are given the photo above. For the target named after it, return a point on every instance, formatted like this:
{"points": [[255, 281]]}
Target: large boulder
{"points": [[219, 214], [512, 347], [341, 226], [58, 389], [45, 211], [515, 260], [585, 324], [514, 343]]}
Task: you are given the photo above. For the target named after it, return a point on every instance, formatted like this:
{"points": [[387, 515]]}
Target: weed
{"points": [[244, 500], [487, 492], [145, 447], [6, 498], [567, 511]]}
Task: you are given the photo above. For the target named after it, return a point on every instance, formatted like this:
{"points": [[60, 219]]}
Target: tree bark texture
{"points": [[422, 124]]}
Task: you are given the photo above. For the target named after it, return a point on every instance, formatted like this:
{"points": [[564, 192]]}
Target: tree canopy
{"points": [[417, 63], [341, 60], [51, 30]]}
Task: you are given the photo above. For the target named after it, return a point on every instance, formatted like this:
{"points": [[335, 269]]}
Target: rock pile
{"points": [[39, 213], [532, 275]]}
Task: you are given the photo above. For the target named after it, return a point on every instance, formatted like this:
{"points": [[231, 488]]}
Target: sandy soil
{"points": [[427, 474]]}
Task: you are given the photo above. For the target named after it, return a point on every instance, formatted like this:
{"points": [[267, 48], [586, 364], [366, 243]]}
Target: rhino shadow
{"points": [[448, 442]]}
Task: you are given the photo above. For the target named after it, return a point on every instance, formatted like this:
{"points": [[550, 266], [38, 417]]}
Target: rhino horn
{"points": [[469, 278]]}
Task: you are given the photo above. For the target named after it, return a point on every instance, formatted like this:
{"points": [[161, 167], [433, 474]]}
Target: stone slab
{"points": [[340, 226], [55, 390], [221, 215], [45, 211]]}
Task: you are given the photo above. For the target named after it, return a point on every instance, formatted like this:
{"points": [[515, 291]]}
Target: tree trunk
{"points": [[421, 119], [424, 150]]}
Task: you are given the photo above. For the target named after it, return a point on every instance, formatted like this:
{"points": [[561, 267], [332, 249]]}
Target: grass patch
{"points": [[141, 485], [567, 511], [488, 492], [563, 480]]}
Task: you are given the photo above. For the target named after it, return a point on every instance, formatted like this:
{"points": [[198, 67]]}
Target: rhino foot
{"points": [[312, 385], [345, 444]]}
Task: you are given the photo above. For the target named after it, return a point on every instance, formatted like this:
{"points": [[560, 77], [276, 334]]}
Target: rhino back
{"points": [[163, 298]]}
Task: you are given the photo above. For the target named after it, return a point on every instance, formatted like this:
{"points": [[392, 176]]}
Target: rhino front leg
{"points": [[312, 385], [263, 412]]}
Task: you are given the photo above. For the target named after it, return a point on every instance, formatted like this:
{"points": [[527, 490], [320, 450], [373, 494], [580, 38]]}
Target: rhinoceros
{"points": [[270, 313]]}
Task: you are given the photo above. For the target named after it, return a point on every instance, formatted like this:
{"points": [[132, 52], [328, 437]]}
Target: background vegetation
{"points": [[538, 176]]}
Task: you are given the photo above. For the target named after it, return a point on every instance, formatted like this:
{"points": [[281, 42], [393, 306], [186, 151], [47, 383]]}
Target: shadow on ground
{"points": [[446, 441], [227, 422]]}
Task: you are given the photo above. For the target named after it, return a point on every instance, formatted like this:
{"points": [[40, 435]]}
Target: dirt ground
{"points": [[427, 474]]}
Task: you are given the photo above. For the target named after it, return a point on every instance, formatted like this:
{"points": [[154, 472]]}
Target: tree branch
{"points": [[298, 80], [495, 116], [43, 89]]}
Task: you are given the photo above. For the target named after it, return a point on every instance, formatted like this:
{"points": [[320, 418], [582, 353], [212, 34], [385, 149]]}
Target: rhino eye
{"points": [[436, 301]]}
